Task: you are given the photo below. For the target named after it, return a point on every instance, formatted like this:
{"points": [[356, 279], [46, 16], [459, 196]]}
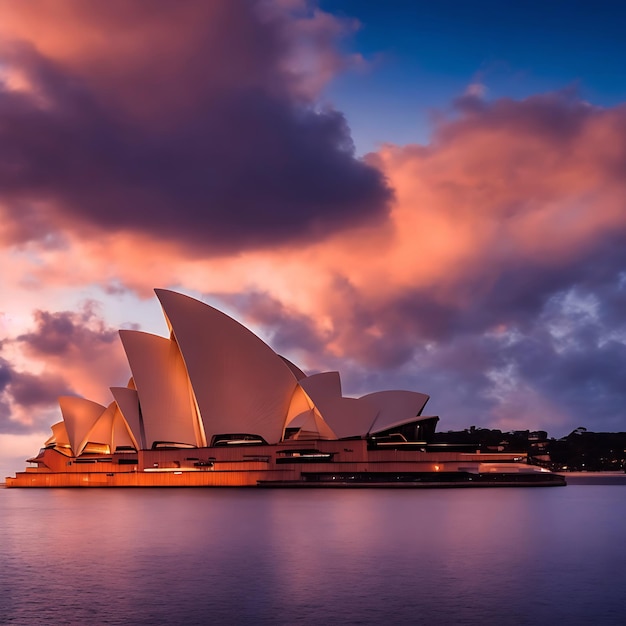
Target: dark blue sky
{"points": [[424, 54]]}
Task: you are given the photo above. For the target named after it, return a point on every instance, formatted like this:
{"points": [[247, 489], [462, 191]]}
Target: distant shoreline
{"points": [[594, 478]]}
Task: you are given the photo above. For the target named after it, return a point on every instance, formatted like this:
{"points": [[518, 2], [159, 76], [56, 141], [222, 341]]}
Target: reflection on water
{"points": [[233, 556]]}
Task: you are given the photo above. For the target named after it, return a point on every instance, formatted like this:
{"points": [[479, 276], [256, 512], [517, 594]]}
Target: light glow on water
{"points": [[354, 556]]}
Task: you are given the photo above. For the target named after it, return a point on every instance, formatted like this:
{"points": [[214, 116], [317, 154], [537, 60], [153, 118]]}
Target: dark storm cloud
{"points": [[70, 349], [567, 346], [560, 116], [560, 334], [580, 361], [206, 136], [5, 374], [26, 392], [65, 332]]}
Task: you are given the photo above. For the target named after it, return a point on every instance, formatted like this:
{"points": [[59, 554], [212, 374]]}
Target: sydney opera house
{"points": [[213, 405]]}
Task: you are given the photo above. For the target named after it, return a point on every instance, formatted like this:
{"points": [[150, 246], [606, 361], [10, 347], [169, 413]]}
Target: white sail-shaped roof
{"points": [[101, 432], [59, 436], [165, 397], [393, 408], [323, 386], [358, 417], [109, 431], [128, 404], [241, 385], [346, 417], [300, 403], [304, 415], [213, 377], [313, 426], [122, 435], [79, 416]]}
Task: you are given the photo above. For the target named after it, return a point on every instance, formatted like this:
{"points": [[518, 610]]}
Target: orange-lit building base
{"points": [[346, 463]]}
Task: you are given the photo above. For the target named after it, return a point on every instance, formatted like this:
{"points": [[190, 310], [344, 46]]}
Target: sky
{"points": [[423, 196]]}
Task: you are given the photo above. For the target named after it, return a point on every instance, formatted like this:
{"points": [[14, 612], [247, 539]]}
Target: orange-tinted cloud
{"points": [[502, 265]]}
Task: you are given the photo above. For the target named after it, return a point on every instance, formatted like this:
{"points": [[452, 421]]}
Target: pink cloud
{"points": [[520, 192], [65, 352]]}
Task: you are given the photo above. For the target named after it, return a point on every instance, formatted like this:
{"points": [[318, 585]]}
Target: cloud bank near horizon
{"points": [[486, 268]]}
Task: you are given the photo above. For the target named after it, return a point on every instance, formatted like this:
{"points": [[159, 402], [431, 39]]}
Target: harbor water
{"points": [[318, 556]]}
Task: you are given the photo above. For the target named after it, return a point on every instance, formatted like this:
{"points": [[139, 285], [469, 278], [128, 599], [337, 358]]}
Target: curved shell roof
{"points": [[165, 396], [127, 401], [86, 422], [349, 417], [241, 385], [393, 407], [213, 376], [59, 436], [345, 416], [79, 416]]}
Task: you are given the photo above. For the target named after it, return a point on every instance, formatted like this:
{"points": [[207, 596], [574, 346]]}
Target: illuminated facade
{"points": [[213, 405]]}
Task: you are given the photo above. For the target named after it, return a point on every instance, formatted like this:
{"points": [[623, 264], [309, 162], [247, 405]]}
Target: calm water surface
{"points": [[233, 556]]}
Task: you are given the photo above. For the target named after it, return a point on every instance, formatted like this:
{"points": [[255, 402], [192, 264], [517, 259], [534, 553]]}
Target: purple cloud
{"points": [[215, 141]]}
